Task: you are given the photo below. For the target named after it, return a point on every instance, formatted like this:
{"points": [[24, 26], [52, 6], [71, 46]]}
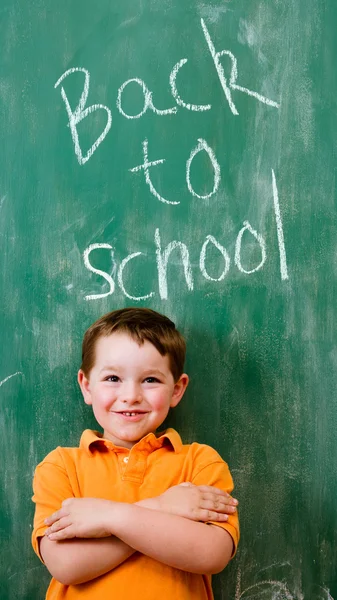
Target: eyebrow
{"points": [[145, 373], [110, 368], [153, 372]]}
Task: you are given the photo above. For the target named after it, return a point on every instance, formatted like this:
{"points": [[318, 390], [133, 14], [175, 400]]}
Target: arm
{"points": [[74, 561], [173, 540], [82, 559], [167, 538]]}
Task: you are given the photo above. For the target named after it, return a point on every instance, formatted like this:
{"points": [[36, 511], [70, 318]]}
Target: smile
{"points": [[128, 415]]}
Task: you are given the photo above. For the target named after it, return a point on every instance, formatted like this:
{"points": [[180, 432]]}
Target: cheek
{"points": [[160, 400], [103, 398]]}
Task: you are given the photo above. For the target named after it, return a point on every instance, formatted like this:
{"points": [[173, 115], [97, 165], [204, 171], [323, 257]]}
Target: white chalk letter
{"points": [[280, 236], [148, 101], [222, 250], [121, 282], [175, 94], [202, 145], [145, 166], [162, 260], [81, 113], [233, 76], [221, 74], [261, 242], [147, 98], [103, 274]]}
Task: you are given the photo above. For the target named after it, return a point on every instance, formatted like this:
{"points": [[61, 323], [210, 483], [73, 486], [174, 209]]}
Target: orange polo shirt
{"points": [[99, 469]]}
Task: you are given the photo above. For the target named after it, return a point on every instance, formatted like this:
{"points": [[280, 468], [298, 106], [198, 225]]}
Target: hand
{"points": [[80, 518], [197, 502]]}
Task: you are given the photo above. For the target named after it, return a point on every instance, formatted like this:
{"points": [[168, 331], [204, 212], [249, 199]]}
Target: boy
{"points": [[133, 514]]}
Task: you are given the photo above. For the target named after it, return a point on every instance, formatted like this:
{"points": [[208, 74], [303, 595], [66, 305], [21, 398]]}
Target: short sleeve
{"points": [[51, 486], [210, 469]]}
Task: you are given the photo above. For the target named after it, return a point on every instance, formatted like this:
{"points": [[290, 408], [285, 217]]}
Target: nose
{"points": [[131, 393]]}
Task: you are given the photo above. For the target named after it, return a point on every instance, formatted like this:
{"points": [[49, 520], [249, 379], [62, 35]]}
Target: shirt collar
{"points": [[91, 439]]}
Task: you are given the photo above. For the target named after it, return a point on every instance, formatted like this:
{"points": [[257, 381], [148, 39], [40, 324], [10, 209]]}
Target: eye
{"points": [[112, 378], [151, 380]]}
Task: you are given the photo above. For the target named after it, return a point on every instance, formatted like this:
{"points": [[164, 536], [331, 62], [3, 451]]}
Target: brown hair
{"points": [[141, 324]]}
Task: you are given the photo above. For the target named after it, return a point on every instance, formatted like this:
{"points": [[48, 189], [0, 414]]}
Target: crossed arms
{"points": [[89, 537]]}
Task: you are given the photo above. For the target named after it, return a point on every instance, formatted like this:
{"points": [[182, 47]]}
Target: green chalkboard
{"points": [[178, 155]]}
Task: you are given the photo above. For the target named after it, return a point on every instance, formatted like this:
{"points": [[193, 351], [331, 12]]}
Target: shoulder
{"points": [[194, 450], [58, 456], [205, 466], [61, 469], [63, 456], [202, 453]]}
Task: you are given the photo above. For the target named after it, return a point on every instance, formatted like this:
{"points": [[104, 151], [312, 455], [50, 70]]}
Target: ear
{"points": [[179, 390], [84, 384]]}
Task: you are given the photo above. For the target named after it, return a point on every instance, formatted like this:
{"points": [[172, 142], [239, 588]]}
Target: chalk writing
{"points": [[10, 377], [229, 85], [145, 167], [148, 102], [147, 98], [103, 274], [202, 261], [162, 261], [202, 145], [275, 590], [81, 113], [121, 282], [233, 75], [261, 242], [175, 94], [177, 246], [270, 589], [280, 236]]}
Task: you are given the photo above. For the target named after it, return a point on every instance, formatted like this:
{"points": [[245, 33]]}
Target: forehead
{"points": [[120, 349]]}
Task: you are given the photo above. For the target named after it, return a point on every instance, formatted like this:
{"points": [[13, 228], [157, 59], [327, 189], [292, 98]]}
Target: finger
{"points": [[54, 517], [186, 484], [63, 534], [67, 501], [58, 525], [225, 504], [218, 506], [224, 499], [208, 489], [211, 515]]}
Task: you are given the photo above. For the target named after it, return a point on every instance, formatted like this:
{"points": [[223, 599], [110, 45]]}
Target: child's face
{"points": [[131, 388]]}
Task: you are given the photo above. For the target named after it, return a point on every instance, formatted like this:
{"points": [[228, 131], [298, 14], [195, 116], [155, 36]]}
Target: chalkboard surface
{"points": [[178, 155]]}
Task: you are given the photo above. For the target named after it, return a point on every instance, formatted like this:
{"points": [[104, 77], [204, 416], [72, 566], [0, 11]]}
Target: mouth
{"points": [[129, 415]]}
